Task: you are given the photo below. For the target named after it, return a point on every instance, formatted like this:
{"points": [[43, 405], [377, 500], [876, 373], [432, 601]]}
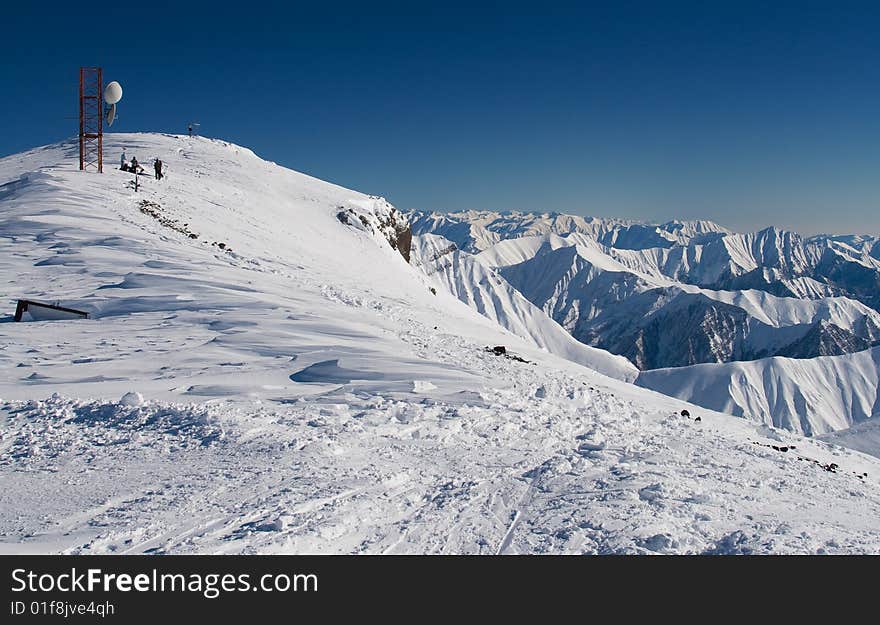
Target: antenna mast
{"points": [[91, 118]]}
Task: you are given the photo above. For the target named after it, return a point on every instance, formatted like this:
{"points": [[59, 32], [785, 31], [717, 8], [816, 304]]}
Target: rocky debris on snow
{"points": [[501, 350], [155, 211], [222, 246], [685, 413], [782, 448], [831, 467]]}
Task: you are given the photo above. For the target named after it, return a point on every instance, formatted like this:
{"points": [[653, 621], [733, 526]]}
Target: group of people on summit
{"points": [[136, 168]]}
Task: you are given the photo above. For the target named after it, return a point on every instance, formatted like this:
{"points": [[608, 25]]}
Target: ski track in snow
{"points": [[417, 440]]}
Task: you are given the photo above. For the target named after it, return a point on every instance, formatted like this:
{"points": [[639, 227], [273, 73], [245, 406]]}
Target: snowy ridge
{"points": [[300, 389], [476, 231], [602, 302], [808, 396], [703, 296], [485, 291]]}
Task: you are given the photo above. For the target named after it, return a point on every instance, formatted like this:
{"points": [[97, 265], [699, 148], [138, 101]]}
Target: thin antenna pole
{"points": [[82, 146], [100, 104]]}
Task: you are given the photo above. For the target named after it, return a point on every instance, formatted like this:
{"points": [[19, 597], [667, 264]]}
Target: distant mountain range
{"points": [[684, 293]]}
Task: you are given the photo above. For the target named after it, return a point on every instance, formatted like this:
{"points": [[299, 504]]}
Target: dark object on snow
{"points": [[404, 241], [29, 310], [685, 413], [500, 350], [156, 211], [698, 419], [831, 467]]}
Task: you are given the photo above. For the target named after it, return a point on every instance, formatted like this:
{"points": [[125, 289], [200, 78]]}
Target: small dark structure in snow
{"points": [[29, 310], [685, 413], [501, 350]]}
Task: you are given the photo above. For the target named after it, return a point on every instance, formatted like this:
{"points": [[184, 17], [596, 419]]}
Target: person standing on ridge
{"points": [[122, 161], [157, 165], [134, 165]]}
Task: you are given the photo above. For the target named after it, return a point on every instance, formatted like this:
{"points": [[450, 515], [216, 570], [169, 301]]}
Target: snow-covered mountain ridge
{"points": [[700, 253], [810, 396], [604, 303], [260, 377], [672, 296]]}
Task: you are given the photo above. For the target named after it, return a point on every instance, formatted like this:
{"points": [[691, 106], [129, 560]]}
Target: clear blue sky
{"points": [[746, 113]]}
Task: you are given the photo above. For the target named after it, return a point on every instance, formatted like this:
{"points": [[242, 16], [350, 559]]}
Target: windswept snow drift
{"points": [[260, 377]]}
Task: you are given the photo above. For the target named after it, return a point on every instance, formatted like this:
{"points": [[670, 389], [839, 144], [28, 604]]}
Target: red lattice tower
{"points": [[91, 118]]}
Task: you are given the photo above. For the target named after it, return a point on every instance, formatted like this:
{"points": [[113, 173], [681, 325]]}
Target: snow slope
{"points": [[810, 396], [493, 297], [301, 389], [864, 437], [569, 278]]}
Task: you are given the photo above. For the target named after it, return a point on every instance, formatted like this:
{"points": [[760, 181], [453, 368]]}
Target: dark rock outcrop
{"points": [[382, 220]]}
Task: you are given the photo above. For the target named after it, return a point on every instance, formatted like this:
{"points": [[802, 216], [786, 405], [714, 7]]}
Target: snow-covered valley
{"points": [[264, 372]]}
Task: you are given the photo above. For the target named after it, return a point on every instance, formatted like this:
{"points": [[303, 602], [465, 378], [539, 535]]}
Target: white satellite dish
{"points": [[113, 93], [111, 114]]}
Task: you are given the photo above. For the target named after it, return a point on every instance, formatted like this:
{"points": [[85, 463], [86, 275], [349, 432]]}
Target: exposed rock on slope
{"points": [[379, 218]]}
